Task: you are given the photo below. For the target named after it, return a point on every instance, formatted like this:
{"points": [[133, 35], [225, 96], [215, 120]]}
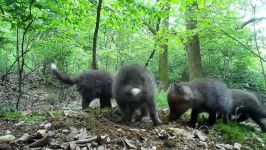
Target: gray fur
{"points": [[91, 85], [205, 95], [247, 105], [135, 77]]}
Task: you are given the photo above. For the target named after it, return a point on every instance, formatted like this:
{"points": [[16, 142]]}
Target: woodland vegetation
{"points": [[177, 40]]}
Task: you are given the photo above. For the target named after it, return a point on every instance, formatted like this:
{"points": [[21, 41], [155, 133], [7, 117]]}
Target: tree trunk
{"points": [[193, 45], [163, 53], [163, 67], [94, 59]]}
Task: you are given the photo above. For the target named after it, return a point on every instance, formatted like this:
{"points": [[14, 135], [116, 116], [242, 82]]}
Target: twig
{"points": [[225, 33], [84, 141], [252, 20], [124, 144]]}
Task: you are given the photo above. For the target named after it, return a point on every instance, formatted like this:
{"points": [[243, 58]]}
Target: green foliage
{"points": [[7, 107], [161, 99], [13, 115], [34, 118], [62, 33]]}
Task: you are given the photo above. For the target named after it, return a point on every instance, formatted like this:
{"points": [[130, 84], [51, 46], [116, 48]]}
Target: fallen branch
{"points": [[42, 142], [85, 141]]}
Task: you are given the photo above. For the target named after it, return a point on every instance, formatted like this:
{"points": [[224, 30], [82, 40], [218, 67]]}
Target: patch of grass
{"points": [[161, 99], [57, 113], [54, 99], [34, 118], [240, 133], [18, 116], [12, 115], [263, 137]]}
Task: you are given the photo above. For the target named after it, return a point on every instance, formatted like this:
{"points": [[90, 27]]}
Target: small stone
{"points": [[7, 132], [100, 148], [41, 132], [65, 131], [200, 135], [48, 125], [203, 144], [7, 138], [119, 130], [237, 146], [94, 143]]}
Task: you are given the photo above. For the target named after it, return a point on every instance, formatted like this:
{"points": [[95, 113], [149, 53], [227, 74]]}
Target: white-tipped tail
{"points": [[135, 91], [53, 66]]}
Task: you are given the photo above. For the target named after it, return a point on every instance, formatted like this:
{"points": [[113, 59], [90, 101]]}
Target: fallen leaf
{"points": [[24, 137], [202, 136], [224, 146], [129, 143], [73, 146], [48, 125], [82, 134]]}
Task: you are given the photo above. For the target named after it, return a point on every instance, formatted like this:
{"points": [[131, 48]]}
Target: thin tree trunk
{"points": [[21, 68], [94, 59], [154, 32], [151, 56], [257, 47], [18, 54], [193, 45]]}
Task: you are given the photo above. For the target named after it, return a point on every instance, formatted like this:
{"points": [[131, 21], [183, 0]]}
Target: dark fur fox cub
{"points": [[91, 85], [247, 105], [134, 88], [202, 95]]}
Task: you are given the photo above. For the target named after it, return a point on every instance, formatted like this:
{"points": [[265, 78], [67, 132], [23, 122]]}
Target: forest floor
{"points": [[46, 124]]}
